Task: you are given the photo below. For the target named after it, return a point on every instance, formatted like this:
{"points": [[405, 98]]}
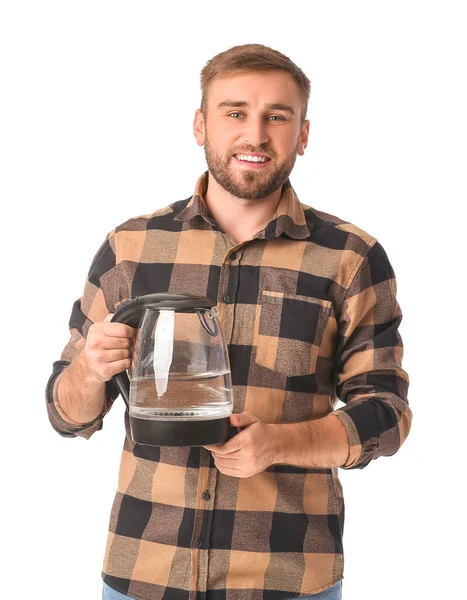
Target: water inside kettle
{"points": [[189, 396]]}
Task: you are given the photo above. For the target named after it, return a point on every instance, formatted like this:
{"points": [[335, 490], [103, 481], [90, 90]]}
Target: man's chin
{"points": [[252, 193], [247, 185], [250, 179]]}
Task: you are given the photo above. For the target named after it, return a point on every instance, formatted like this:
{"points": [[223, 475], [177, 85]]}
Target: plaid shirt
{"points": [[309, 312]]}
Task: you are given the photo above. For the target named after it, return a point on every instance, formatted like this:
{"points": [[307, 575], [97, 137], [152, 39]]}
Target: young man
{"points": [[308, 307]]}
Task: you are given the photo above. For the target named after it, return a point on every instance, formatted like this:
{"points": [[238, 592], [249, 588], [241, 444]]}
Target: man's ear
{"points": [[199, 129], [305, 132]]}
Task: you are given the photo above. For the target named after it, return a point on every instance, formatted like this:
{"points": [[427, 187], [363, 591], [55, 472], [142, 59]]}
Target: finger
{"points": [[233, 445], [120, 366], [243, 419], [214, 448], [236, 474], [118, 330], [226, 466], [108, 317], [114, 343], [108, 370], [110, 356], [226, 460]]}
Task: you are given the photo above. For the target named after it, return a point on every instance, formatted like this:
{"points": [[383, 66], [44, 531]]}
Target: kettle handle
{"points": [[128, 313]]}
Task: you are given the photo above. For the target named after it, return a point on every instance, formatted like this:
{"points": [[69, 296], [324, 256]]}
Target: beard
{"points": [[249, 184]]}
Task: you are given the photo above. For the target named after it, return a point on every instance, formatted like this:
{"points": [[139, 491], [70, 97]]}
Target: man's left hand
{"points": [[249, 452]]}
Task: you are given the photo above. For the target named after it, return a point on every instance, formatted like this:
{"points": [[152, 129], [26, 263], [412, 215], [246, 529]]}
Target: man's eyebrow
{"points": [[233, 104], [278, 106], [244, 104]]}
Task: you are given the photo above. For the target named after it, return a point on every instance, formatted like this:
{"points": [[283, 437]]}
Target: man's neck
{"points": [[240, 219]]}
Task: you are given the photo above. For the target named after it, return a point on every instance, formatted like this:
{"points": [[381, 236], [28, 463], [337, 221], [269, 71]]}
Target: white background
{"points": [[97, 104]]}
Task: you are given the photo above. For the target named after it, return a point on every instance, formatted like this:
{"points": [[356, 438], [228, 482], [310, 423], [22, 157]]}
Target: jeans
{"points": [[332, 593], [109, 593]]}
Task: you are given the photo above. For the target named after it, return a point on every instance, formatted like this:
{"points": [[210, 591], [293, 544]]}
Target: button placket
{"points": [[211, 490], [225, 297]]}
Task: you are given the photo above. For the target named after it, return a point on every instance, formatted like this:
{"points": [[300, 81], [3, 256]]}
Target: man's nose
{"points": [[256, 132]]}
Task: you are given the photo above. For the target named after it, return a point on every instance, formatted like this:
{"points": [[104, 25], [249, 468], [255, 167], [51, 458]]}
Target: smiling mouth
{"points": [[256, 160]]}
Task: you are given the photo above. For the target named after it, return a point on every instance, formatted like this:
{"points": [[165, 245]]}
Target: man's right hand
{"points": [[108, 349], [105, 352]]}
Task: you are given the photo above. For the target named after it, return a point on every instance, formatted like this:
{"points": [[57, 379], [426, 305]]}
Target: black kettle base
{"points": [[150, 432]]}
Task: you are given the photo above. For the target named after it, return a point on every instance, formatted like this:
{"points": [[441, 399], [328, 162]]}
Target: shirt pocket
{"points": [[290, 332]]}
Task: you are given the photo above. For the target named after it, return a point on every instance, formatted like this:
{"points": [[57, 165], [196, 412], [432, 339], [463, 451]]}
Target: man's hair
{"points": [[251, 58]]}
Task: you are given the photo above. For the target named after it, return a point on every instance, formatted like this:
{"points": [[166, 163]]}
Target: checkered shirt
{"points": [[309, 313]]}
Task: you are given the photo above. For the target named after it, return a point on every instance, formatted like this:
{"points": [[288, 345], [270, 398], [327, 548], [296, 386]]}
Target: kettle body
{"points": [[179, 392]]}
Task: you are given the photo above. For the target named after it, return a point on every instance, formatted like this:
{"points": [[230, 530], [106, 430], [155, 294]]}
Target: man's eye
{"points": [[235, 113], [277, 118]]}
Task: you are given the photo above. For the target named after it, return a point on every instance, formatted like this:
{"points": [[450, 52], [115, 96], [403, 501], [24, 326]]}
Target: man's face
{"points": [[252, 132]]}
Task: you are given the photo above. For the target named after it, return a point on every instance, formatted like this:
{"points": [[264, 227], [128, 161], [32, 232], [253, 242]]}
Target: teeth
{"points": [[249, 158]]}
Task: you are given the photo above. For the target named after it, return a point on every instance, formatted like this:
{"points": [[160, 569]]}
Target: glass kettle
{"points": [[180, 389]]}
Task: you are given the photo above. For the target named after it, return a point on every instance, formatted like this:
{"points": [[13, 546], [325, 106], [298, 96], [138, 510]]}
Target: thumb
{"points": [[243, 419]]}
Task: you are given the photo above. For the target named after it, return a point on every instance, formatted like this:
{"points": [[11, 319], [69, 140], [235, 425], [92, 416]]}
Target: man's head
{"points": [[254, 102]]}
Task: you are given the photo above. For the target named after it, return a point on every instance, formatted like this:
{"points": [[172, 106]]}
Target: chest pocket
{"points": [[290, 332]]}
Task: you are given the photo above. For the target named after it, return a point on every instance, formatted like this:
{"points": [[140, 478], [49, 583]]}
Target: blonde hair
{"points": [[252, 58]]}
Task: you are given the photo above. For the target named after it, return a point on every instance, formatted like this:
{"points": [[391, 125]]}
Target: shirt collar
{"points": [[289, 217]]}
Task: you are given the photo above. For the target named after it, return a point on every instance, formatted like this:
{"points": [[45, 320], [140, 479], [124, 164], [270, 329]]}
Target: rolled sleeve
{"points": [[370, 380], [61, 422], [99, 298]]}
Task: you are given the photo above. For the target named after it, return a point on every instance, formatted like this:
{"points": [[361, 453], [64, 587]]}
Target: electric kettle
{"points": [[180, 391]]}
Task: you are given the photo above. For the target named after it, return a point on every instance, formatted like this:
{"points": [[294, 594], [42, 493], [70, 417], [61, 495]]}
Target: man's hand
{"points": [[108, 349], [81, 386], [251, 451]]}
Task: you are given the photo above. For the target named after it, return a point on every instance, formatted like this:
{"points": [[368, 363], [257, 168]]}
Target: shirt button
{"points": [[199, 543], [206, 496], [227, 299], [233, 256]]}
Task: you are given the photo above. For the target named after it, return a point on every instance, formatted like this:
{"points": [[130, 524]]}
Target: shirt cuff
{"points": [[59, 420], [359, 454]]}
